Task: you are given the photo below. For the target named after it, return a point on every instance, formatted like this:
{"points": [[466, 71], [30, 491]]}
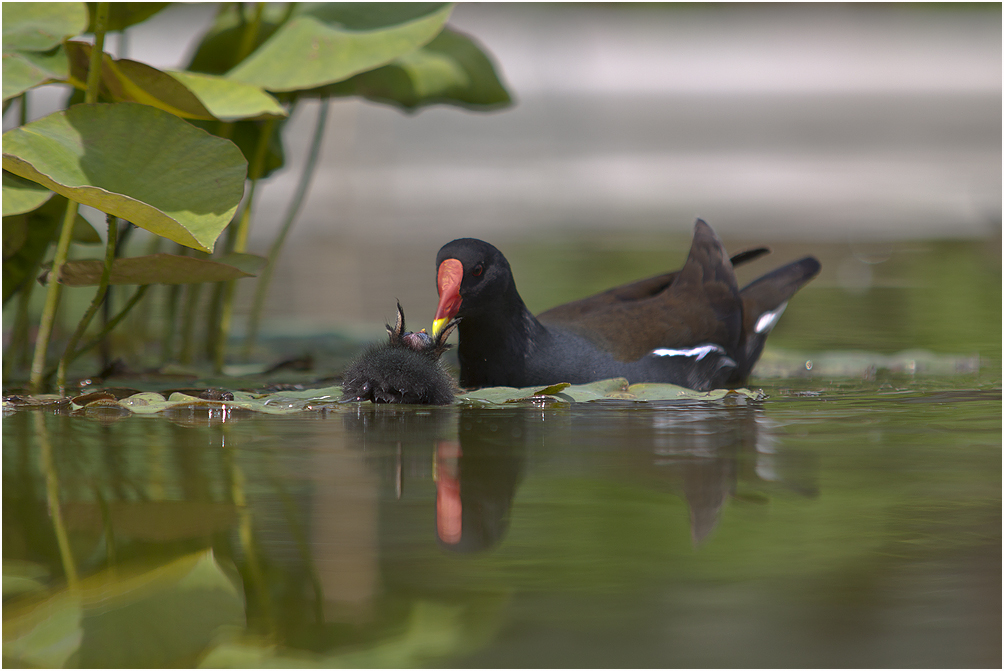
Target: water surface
{"points": [[853, 526]]}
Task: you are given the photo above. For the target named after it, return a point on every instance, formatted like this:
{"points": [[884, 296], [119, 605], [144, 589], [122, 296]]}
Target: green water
{"points": [[851, 518]]}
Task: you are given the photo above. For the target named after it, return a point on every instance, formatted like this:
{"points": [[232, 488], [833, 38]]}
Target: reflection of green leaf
{"points": [[434, 631], [21, 577], [152, 269], [46, 635], [154, 618], [153, 169], [163, 617], [329, 43], [39, 26]]}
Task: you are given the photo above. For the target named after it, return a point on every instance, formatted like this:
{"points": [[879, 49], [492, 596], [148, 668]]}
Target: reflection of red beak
{"points": [[448, 507], [448, 279]]}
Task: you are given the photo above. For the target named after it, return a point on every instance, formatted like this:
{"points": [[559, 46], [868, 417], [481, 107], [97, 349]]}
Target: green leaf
{"points": [[121, 15], [24, 70], [245, 135], [187, 95], [40, 26], [331, 42], [152, 269], [229, 100], [219, 49], [136, 162], [452, 69], [20, 195]]}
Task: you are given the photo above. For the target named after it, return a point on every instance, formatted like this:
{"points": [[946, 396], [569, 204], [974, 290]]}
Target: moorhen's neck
{"points": [[497, 340]]}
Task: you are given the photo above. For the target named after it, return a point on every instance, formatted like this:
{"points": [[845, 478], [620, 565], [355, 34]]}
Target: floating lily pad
{"points": [[136, 162]]}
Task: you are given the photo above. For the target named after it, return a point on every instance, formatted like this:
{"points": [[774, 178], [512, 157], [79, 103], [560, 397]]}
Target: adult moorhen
{"points": [[693, 327]]}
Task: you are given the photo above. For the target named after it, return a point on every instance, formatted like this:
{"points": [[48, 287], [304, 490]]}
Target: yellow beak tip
{"points": [[438, 325]]}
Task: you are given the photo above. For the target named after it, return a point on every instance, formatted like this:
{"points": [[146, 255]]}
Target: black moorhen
{"points": [[693, 327], [407, 369]]}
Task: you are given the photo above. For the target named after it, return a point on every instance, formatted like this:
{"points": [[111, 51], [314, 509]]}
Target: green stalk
{"points": [[108, 328], [255, 171], [66, 233], [99, 297], [262, 287], [51, 300], [250, 35]]}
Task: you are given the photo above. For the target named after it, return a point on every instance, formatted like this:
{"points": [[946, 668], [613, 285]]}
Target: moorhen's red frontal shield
{"points": [[448, 279]]}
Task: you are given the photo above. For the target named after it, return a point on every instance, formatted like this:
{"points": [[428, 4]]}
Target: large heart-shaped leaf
{"points": [[40, 26], [326, 43], [136, 162], [451, 69], [152, 269]]}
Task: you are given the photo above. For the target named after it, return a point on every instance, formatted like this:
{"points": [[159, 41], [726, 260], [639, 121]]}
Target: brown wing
{"points": [[697, 304]]}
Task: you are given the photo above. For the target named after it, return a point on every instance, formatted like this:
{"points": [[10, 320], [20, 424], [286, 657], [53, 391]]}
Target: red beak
{"points": [[448, 279]]}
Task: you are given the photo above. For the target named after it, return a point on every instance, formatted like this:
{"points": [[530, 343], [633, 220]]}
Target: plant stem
{"points": [[99, 297], [97, 53], [250, 35], [255, 171], [66, 233], [261, 289], [109, 327], [51, 300]]}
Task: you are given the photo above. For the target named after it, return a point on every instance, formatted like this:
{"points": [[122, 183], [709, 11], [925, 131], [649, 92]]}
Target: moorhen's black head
{"points": [[472, 277]]}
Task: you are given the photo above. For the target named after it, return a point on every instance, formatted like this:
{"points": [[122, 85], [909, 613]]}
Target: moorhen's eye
{"points": [[478, 269]]}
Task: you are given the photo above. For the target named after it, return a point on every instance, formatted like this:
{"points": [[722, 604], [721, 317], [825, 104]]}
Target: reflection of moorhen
{"points": [[407, 369], [476, 478], [693, 327]]}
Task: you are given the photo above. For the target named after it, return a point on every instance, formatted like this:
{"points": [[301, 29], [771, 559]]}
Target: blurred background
{"points": [[846, 131]]}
